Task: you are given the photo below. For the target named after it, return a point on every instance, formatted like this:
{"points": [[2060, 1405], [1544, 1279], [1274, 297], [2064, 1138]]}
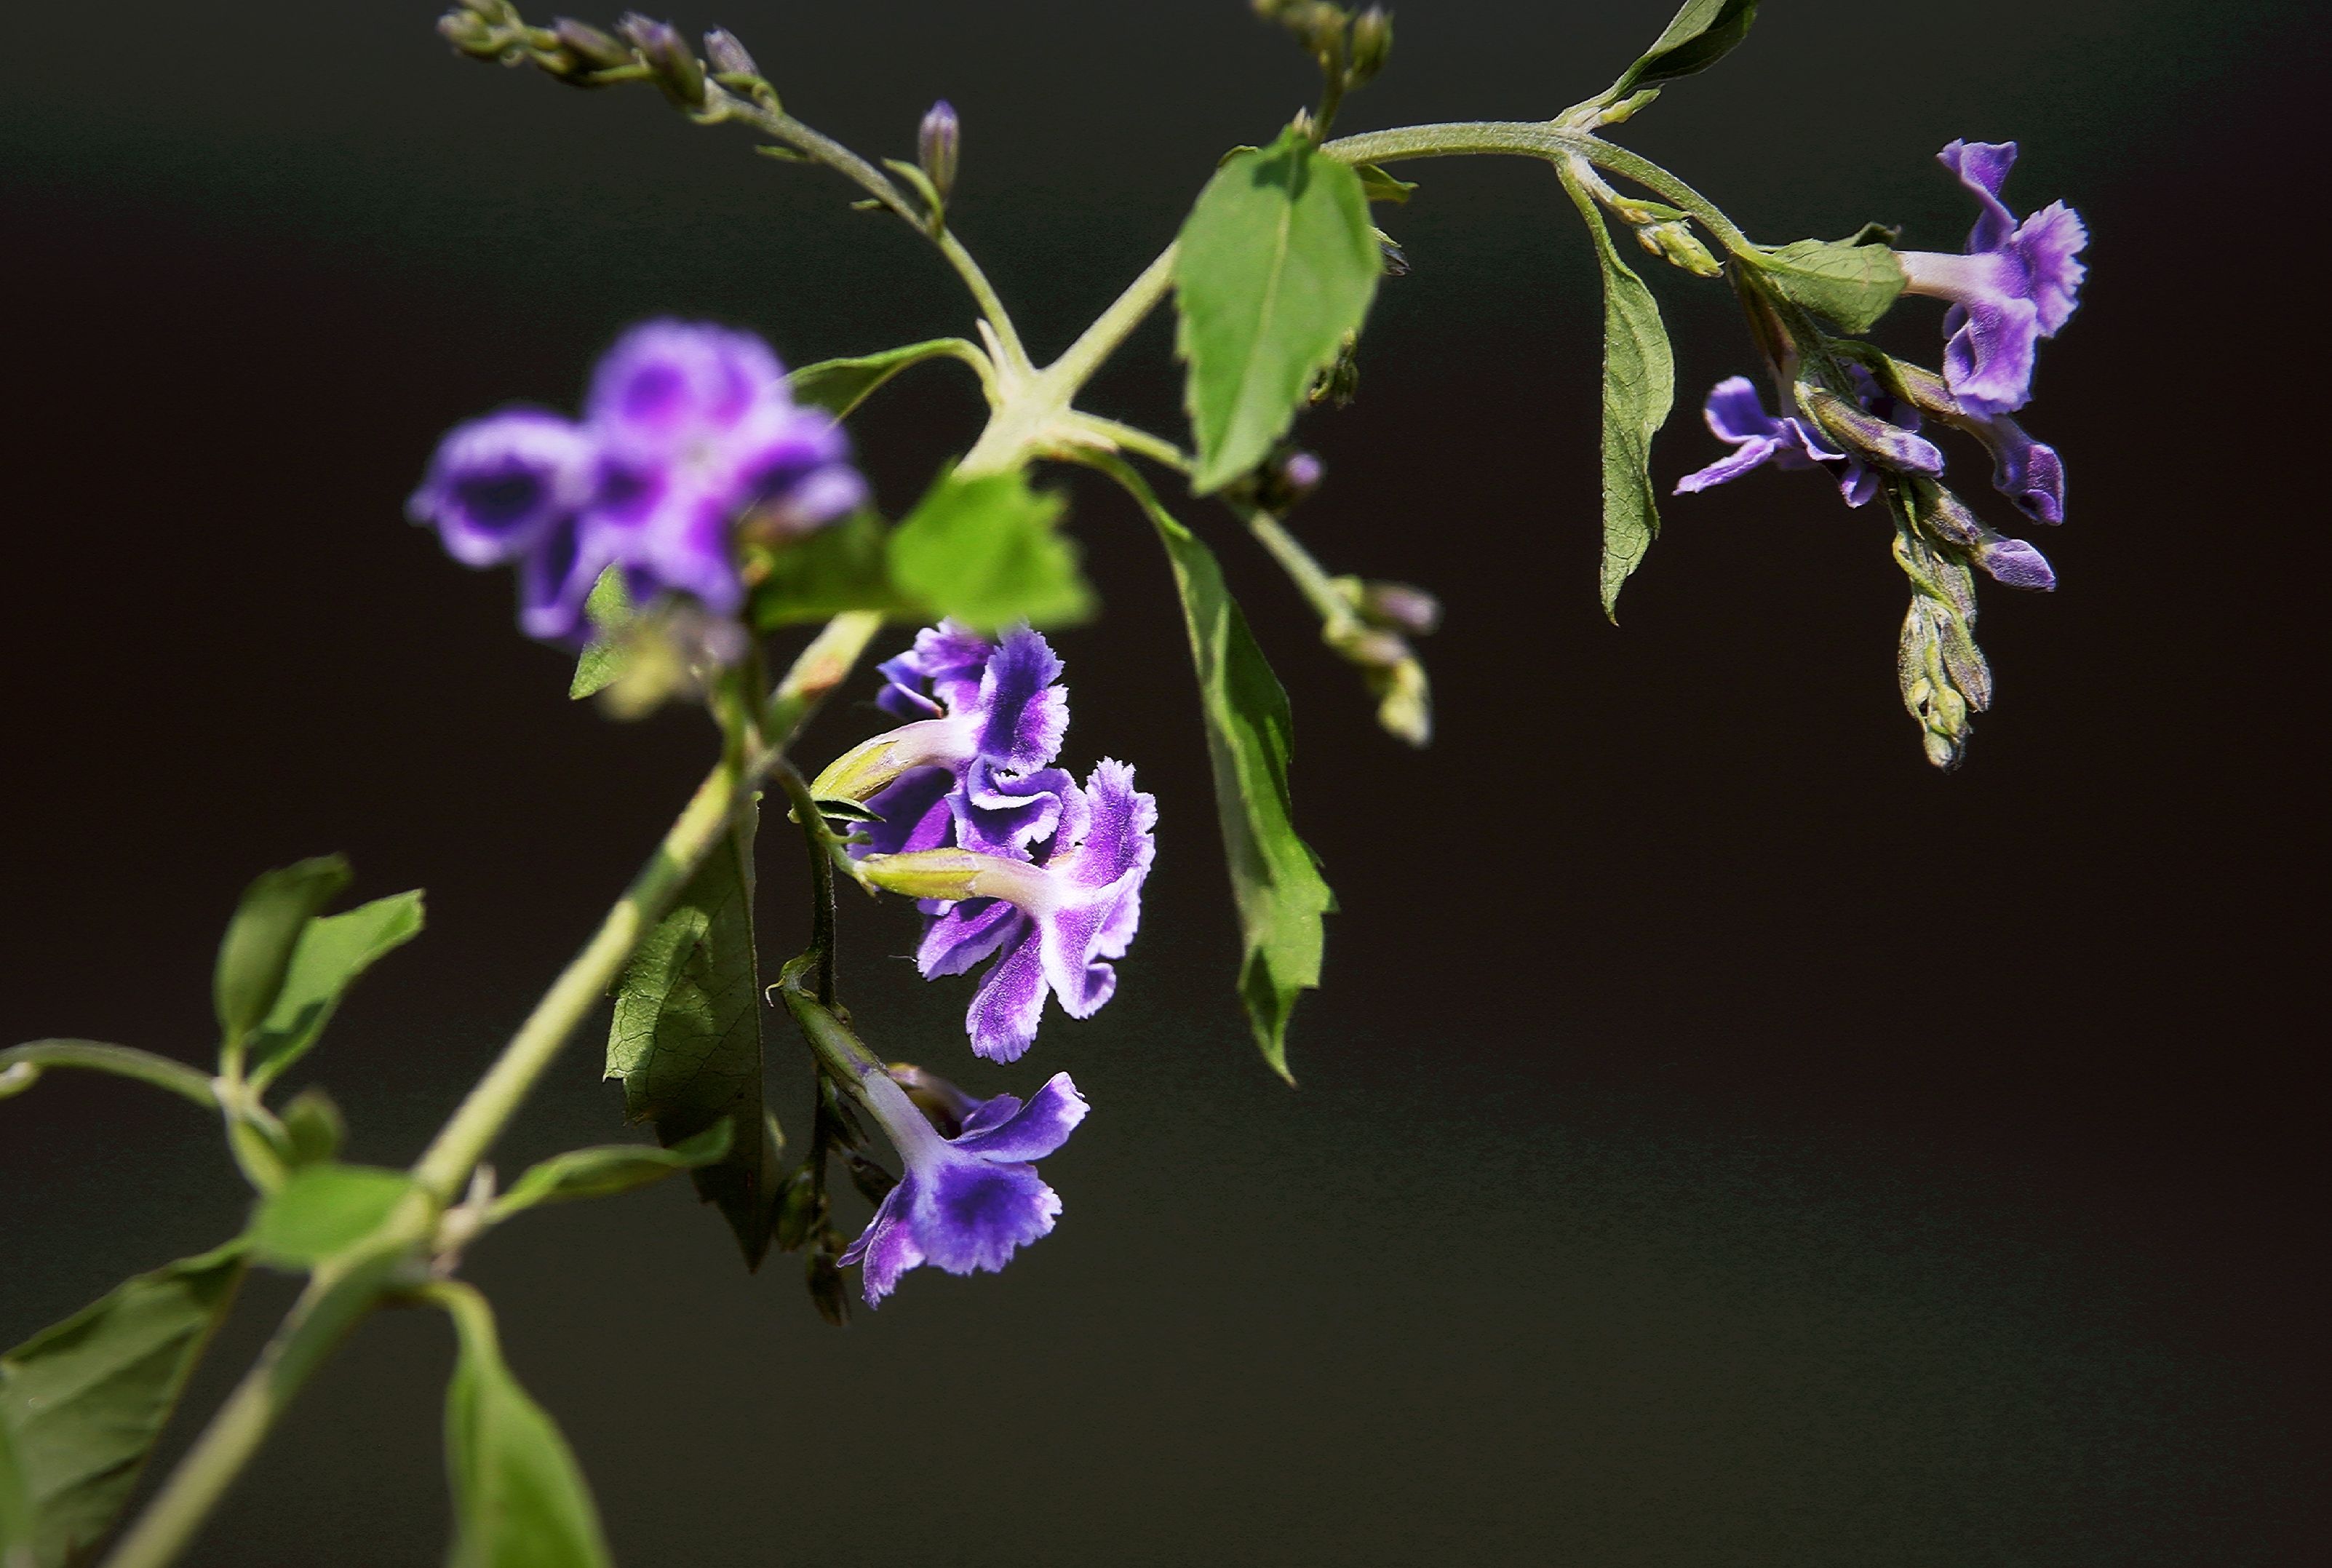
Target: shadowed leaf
{"points": [[519, 1500]]}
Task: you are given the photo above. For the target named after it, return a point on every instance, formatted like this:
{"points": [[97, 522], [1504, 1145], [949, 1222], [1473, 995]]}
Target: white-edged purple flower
{"points": [[966, 1202], [688, 430], [2017, 282]]}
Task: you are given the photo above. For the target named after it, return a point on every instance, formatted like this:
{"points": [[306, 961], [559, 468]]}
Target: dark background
{"points": [[1722, 1140]]}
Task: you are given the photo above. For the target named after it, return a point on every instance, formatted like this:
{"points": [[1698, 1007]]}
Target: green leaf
{"points": [[609, 1169], [844, 565], [323, 1210], [331, 952], [840, 386], [81, 1403], [21, 1068], [1849, 284], [1381, 186], [603, 659], [1275, 267], [1638, 388], [313, 1127], [1274, 876], [1701, 34], [266, 926], [686, 1040], [990, 552], [519, 1500]]}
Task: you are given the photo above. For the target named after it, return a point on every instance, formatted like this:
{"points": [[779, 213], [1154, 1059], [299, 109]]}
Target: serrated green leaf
{"points": [[1275, 877], [1276, 266], [840, 386], [1638, 388], [324, 1210], [686, 1038], [609, 1169], [257, 950], [604, 659], [331, 952], [1849, 284], [1380, 187], [989, 551], [1697, 37], [81, 1403], [520, 1499], [844, 565]]}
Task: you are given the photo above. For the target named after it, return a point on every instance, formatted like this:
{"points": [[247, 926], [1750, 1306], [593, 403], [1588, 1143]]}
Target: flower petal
{"points": [[959, 940], [969, 1214], [1750, 453], [497, 486], [888, 1246], [1983, 167], [2047, 241], [1988, 362], [1735, 413], [1030, 1131], [1011, 1002], [1026, 712], [915, 814]]}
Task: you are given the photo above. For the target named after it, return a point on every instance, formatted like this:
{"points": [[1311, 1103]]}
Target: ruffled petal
{"points": [[1735, 413], [888, 1246], [996, 815], [1983, 167], [497, 486], [971, 1214], [1988, 360], [554, 579], [965, 935], [2047, 243], [1028, 1132], [667, 383], [1011, 1002], [1025, 712]]}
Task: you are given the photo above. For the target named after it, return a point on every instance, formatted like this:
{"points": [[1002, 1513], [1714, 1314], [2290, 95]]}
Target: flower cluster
{"points": [[2016, 284], [687, 432], [1018, 866], [1014, 860]]}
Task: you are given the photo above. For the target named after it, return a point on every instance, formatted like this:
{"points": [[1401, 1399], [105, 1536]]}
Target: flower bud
{"points": [[471, 34], [1395, 606], [937, 143], [802, 1208], [1858, 430], [1674, 242], [824, 1275], [1372, 45], [312, 1124], [589, 45], [667, 55], [727, 58]]}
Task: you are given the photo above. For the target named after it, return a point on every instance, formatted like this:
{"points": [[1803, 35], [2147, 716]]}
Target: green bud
{"points": [[677, 70], [873, 1181], [802, 1208], [1673, 241], [1404, 701], [312, 1124], [1372, 45], [1340, 383], [471, 34], [1397, 606], [824, 1276], [588, 46]]}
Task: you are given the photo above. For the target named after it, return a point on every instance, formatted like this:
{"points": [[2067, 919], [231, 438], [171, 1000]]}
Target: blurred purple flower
{"points": [[966, 1202], [688, 429], [2016, 284]]}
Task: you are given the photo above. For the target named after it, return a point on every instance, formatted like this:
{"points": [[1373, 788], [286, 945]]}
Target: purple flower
{"points": [[688, 430], [2017, 284], [1050, 921], [2028, 471], [969, 1201]]}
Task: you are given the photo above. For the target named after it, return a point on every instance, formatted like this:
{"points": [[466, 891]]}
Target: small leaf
{"points": [[603, 660], [609, 1169], [1381, 186], [519, 1500], [1274, 876], [1849, 282], [840, 386], [324, 1210], [844, 565], [81, 1403], [845, 810], [686, 1038], [331, 952], [266, 926], [1638, 388], [1697, 37], [989, 552], [313, 1126], [1275, 269]]}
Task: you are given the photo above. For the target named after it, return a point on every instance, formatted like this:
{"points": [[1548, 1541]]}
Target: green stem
{"points": [[21, 1066], [341, 1293], [1307, 574], [1541, 139]]}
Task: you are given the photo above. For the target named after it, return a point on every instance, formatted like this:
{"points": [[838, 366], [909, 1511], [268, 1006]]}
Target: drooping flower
{"points": [[2016, 284], [1882, 431], [687, 432], [2028, 471], [964, 1202]]}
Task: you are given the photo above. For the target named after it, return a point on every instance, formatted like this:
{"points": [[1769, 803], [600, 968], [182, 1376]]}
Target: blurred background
{"points": [[1722, 1138]]}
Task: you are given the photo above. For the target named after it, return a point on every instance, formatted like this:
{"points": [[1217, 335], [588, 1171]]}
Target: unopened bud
{"points": [[491, 9], [1372, 45], [312, 1123], [727, 58], [471, 34], [668, 55], [938, 141], [1395, 606], [1404, 701], [1390, 256], [801, 1209], [1340, 383], [873, 1181], [1674, 242], [592, 47], [824, 1276]]}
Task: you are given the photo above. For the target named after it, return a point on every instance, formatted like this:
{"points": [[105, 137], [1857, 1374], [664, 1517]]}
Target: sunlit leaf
{"points": [[323, 1210], [1275, 877], [81, 1403], [1638, 388], [602, 663], [989, 551], [844, 565], [519, 1500], [839, 386], [1849, 284], [1275, 267], [331, 952]]}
